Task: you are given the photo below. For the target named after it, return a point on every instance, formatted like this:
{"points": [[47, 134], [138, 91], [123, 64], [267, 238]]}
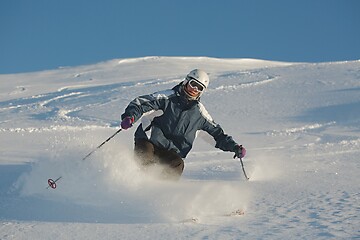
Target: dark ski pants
{"points": [[148, 154]]}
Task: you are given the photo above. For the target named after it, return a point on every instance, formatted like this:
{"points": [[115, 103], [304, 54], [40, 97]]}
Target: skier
{"points": [[168, 136]]}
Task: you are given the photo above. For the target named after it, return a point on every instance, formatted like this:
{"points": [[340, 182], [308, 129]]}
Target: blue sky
{"points": [[46, 34]]}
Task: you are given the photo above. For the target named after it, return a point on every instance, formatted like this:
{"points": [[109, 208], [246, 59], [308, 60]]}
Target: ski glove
{"points": [[240, 151], [127, 122]]}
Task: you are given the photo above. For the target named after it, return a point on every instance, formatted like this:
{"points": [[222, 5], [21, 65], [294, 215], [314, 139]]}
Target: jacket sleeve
{"points": [[146, 103], [223, 141]]}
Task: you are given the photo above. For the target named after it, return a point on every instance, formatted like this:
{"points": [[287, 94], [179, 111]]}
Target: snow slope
{"points": [[300, 123]]}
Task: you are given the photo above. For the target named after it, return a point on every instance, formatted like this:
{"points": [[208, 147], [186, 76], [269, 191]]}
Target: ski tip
{"points": [[190, 220], [238, 212]]}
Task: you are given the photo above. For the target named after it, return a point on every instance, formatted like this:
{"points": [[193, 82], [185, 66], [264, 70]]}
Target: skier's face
{"points": [[192, 91]]}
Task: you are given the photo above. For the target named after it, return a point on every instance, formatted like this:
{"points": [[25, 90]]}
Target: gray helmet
{"points": [[200, 76]]}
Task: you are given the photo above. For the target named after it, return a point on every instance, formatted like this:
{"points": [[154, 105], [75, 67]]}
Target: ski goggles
{"points": [[196, 85]]}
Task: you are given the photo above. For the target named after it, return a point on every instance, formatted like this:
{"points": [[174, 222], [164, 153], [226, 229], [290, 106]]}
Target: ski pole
{"points": [[242, 166], [102, 144], [52, 183]]}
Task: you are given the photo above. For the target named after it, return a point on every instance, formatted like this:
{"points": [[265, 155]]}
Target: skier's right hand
{"points": [[127, 122]]}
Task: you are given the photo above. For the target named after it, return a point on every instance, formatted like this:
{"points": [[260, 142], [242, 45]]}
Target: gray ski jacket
{"points": [[176, 128]]}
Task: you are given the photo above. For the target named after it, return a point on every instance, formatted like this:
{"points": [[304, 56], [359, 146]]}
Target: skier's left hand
{"points": [[239, 151]]}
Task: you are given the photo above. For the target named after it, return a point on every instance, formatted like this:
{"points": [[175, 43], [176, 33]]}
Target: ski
{"points": [[235, 213], [190, 220]]}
